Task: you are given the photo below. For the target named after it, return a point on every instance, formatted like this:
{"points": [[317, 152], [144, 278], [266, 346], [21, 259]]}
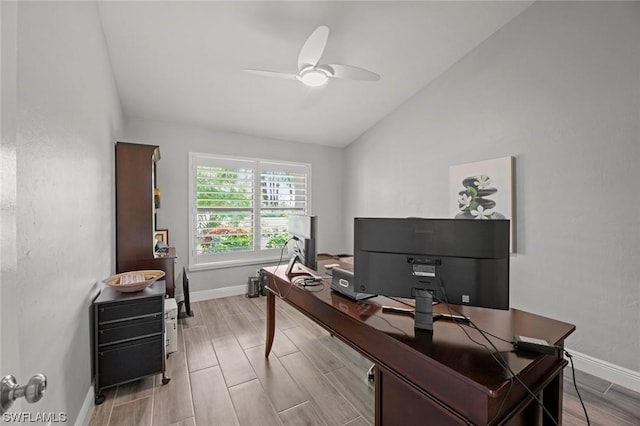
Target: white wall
{"points": [[177, 141], [68, 115], [9, 354], [558, 88]]}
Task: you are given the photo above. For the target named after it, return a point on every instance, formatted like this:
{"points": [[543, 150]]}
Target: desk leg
{"points": [[552, 400], [271, 321]]}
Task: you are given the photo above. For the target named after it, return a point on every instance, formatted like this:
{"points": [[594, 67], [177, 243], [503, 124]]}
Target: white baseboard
{"points": [[216, 293], [84, 416], [605, 370]]}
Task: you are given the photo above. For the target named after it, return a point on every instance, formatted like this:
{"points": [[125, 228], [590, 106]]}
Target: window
{"points": [[239, 208]]}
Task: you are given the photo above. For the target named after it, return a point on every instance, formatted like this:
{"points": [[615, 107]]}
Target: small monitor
{"points": [[303, 231]]}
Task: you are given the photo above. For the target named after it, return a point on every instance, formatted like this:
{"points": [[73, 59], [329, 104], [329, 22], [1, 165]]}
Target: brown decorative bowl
{"points": [[129, 282]]}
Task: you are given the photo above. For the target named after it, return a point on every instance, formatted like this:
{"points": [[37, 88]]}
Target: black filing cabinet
{"points": [[128, 336]]}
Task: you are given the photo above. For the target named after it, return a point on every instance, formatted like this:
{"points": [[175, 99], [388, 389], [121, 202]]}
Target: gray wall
{"points": [[177, 141], [558, 88], [68, 114], [9, 291]]}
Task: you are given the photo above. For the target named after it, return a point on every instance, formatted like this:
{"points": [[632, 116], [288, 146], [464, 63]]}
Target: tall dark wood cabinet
{"points": [[135, 212]]}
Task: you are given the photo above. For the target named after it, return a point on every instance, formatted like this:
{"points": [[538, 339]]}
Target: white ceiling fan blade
{"points": [[272, 74], [313, 48], [349, 72]]}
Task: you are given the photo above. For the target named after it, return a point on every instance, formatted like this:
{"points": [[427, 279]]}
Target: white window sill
{"points": [[235, 263]]}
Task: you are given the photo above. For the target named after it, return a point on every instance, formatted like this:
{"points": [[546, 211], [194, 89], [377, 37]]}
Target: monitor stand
{"points": [[296, 268], [423, 313]]}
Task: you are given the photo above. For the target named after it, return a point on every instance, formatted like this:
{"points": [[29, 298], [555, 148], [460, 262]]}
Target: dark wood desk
{"points": [[441, 378]]}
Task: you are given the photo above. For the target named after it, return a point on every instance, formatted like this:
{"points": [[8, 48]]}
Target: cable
{"points": [[277, 291], [501, 361], [498, 359], [494, 336], [575, 385], [306, 281], [312, 288], [282, 251], [391, 325], [301, 281], [399, 300]]}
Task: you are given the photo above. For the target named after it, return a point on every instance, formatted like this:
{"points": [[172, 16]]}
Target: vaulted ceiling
{"points": [[182, 62]]}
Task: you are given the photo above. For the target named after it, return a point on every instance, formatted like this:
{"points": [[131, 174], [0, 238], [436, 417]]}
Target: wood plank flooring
{"points": [[219, 376]]}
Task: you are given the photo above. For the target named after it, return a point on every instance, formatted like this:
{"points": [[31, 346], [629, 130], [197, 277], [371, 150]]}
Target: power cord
{"points": [[559, 348], [274, 290], [575, 385], [399, 300], [311, 284], [499, 358], [307, 281], [301, 281]]}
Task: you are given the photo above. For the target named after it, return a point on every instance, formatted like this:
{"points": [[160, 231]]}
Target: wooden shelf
{"points": [[135, 211]]}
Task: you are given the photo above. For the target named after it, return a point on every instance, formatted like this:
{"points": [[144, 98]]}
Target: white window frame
{"points": [[257, 255]]}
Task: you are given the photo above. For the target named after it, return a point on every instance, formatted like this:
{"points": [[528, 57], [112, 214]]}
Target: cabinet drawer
{"points": [[128, 309], [124, 330], [127, 362]]}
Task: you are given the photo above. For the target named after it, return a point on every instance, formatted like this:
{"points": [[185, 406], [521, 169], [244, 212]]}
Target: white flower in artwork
{"points": [[481, 213], [482, 181], [464, 201]]}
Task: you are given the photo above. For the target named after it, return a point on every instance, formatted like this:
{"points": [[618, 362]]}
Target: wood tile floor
{"points": [[219, 376]]}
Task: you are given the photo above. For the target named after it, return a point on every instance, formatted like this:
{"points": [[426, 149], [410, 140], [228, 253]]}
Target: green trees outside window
{"points": [[229, 198]]}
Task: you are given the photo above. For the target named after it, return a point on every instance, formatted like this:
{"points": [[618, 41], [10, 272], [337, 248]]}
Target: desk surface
{"points": [[450, 351]]}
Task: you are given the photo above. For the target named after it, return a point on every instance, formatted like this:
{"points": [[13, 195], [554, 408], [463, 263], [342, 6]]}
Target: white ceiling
{"points": [[182, 62]]}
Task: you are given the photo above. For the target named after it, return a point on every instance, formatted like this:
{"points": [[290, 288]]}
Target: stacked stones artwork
{"points": [[474, 202]]}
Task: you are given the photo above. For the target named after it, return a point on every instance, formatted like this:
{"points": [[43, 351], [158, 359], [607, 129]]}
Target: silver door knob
{"points": [[32, 391]]}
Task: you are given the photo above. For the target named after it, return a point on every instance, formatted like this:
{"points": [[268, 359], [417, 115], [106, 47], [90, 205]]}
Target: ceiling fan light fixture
{"points": [[314, 77], [313, 73]]}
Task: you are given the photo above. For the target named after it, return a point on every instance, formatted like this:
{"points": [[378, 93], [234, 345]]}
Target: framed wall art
{"points": [[483, 190]]}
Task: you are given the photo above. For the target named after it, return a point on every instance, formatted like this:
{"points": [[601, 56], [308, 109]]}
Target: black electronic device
{"points": [[531, 344], [186, 302], [343, 282], [303, 230], [253, 287], [460, 261]]}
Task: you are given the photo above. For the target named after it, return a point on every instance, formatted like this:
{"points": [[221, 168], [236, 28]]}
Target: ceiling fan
{"points": [[311, 72]]}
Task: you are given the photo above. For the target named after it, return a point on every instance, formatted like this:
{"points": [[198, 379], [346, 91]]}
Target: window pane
{"points": [[282, 192], [224, 209], [240, 206]]}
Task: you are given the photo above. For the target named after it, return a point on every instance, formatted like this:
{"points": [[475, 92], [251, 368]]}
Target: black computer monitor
{"points": [[460, 261], [303, 230]]}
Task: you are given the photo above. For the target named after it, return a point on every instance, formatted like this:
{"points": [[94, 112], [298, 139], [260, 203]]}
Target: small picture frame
{"points": [[162, 235]]}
